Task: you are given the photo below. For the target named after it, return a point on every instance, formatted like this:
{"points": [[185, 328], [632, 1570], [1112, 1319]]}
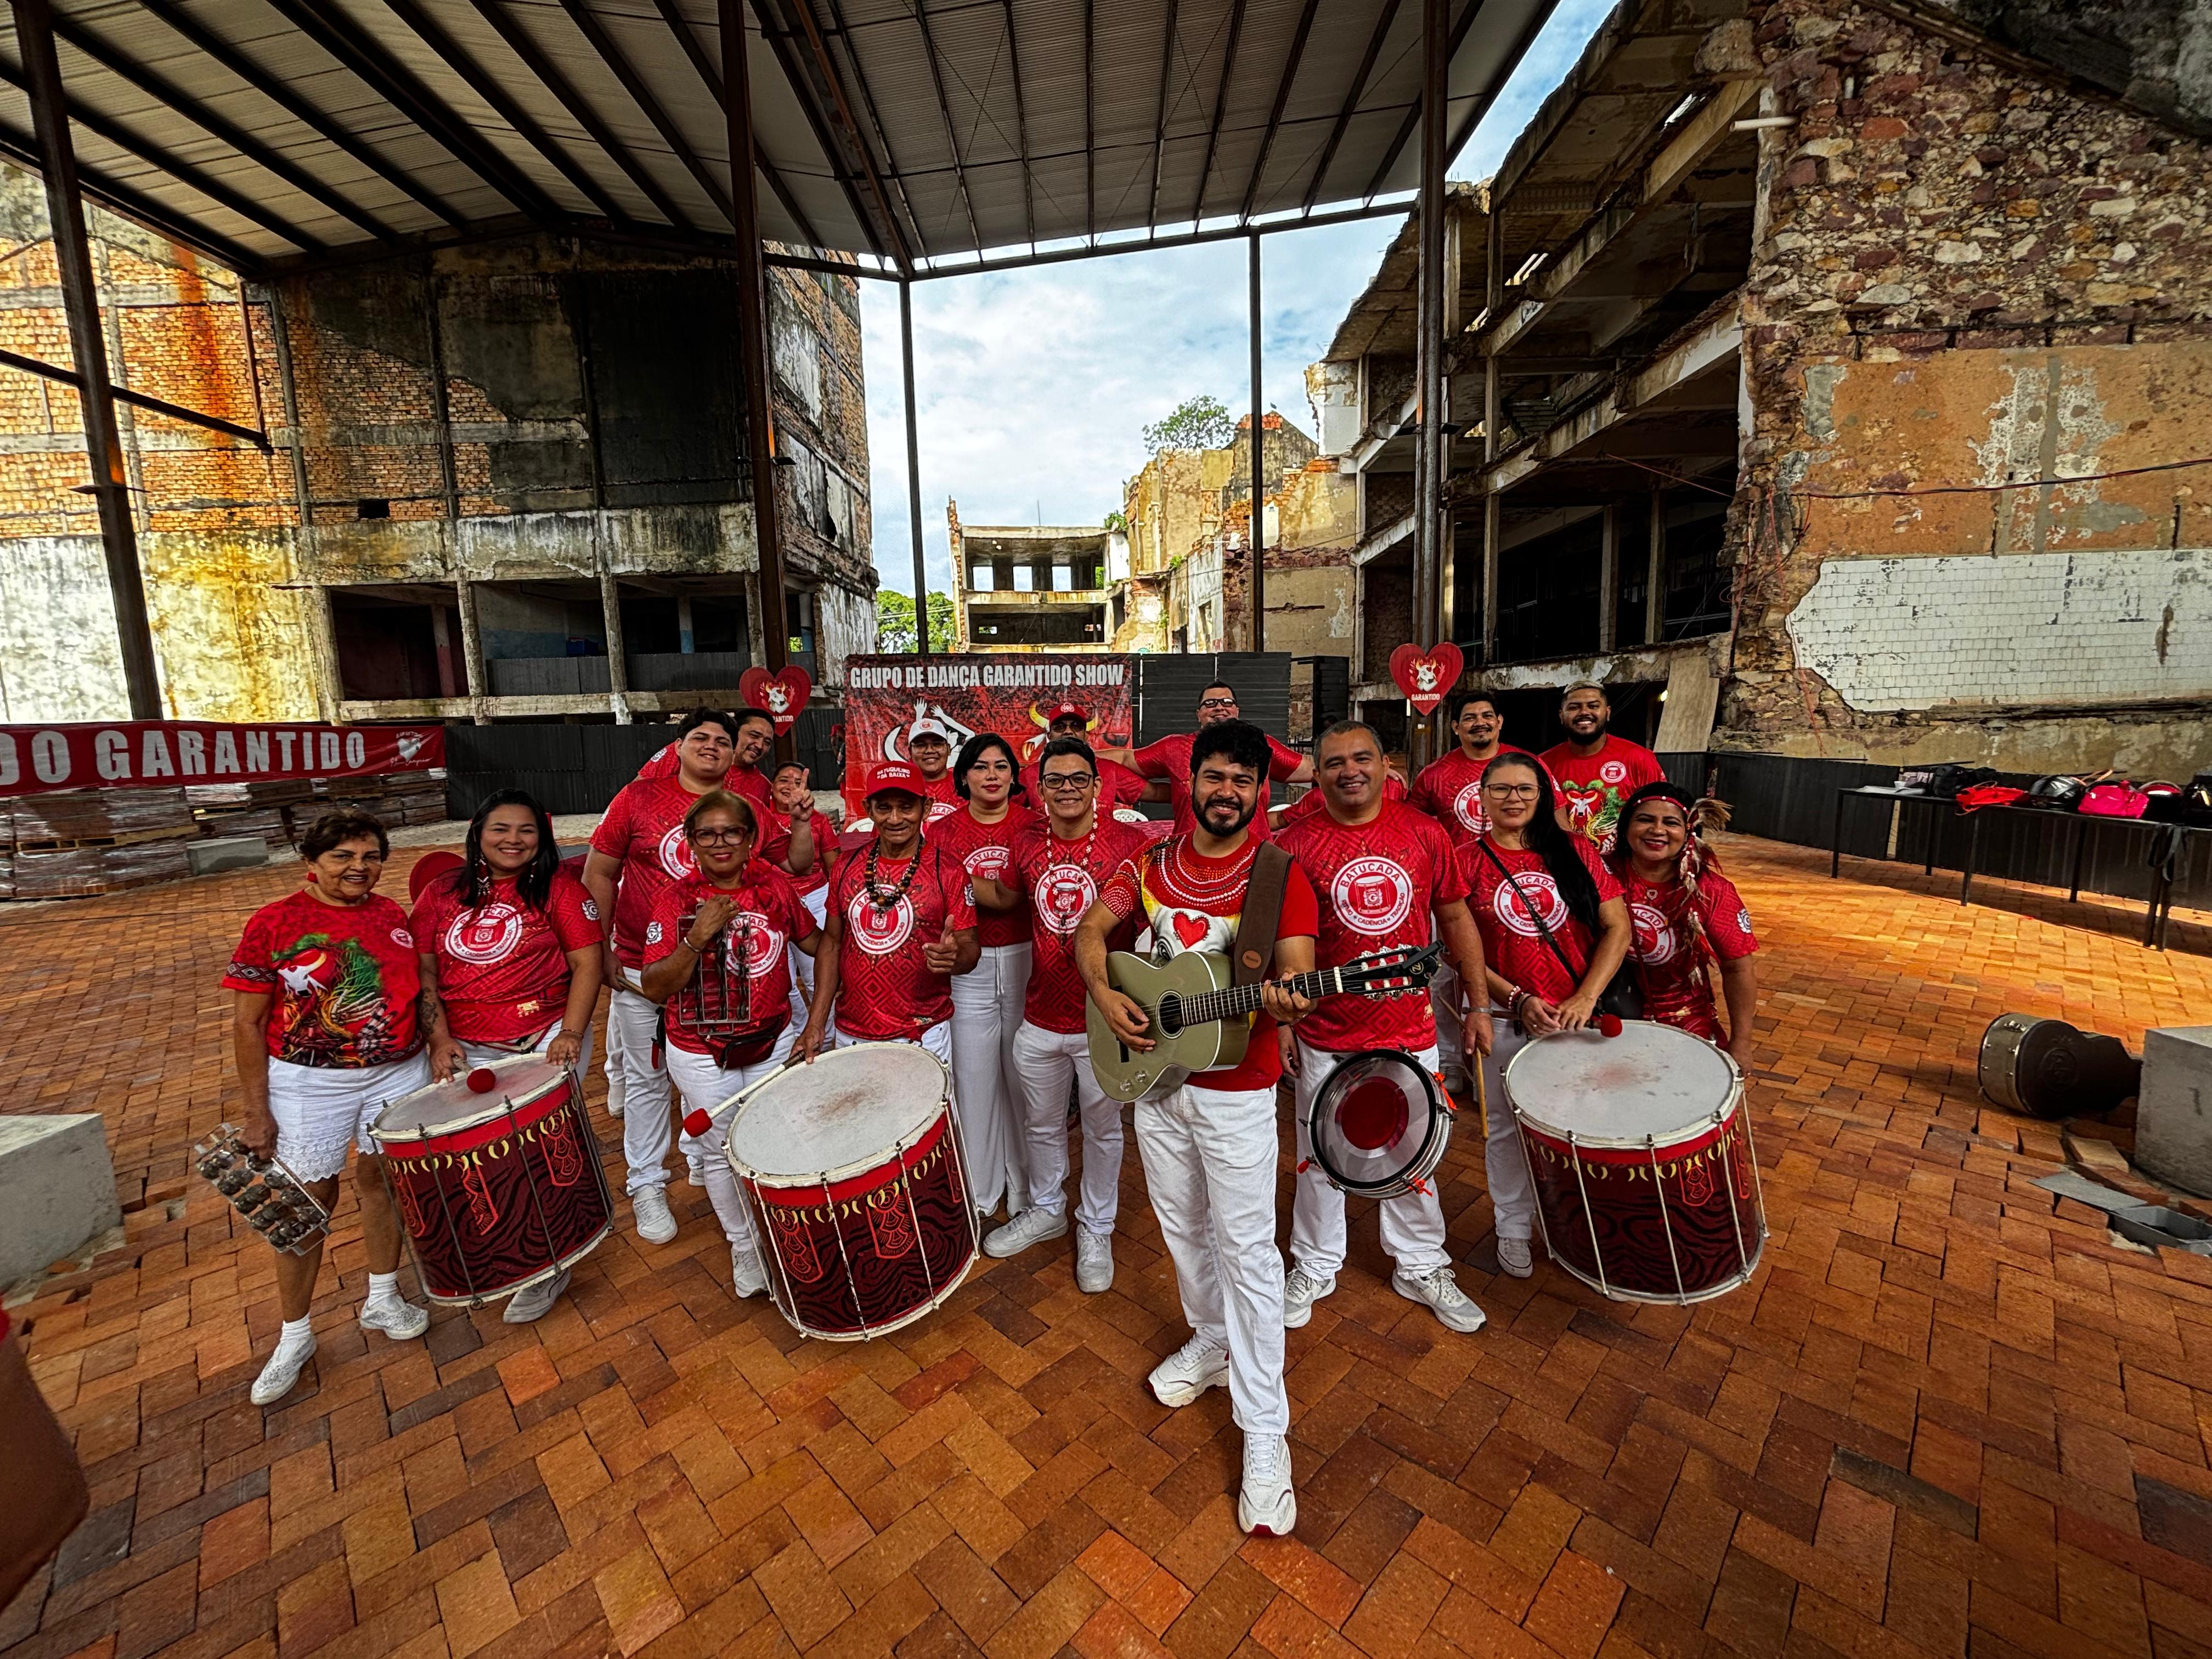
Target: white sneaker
{"points": [[401, 1320], [656, 1223], [1032, 1226], [696, 1167], [1094, 1261], [1440, 1290], [1513, 1255], [1301, 1290], [1189, 1371], [283, 1370], [747, 1276], [532, 1304], [1266, 1505], [614, 1087]]}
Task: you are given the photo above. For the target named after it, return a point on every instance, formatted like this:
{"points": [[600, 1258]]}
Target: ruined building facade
{"points": [[507, 480]]}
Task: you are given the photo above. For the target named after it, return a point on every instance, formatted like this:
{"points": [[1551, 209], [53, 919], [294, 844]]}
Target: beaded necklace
{"points": [[1205, 891], [881, 898]]}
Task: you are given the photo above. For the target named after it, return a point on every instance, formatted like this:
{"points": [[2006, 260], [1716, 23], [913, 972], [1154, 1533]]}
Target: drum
{"points": [[2047, 1068], [1646, 1187], [1378, 1127], [496, 1176], [853, 1168]]}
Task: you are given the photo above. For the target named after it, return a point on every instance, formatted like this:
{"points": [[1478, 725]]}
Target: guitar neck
{"points": [[1235, 1001]]}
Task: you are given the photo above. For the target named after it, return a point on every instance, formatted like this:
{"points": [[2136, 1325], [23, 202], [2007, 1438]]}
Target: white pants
{"points": [[986, 1012], [704, 1085], [1445, 991], [937, 1039], [1210, 1158], [321, 1110], [1504, 1160], [631, 1021], [485, 1053], [1412, 1223], [802, 965], [1045, 1064]]}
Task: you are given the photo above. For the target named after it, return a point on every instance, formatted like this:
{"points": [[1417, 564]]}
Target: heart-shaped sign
{"points": [[779, 696], [409, 745], [1426, 676]]}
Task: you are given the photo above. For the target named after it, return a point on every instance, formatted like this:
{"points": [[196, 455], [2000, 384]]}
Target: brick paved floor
{"points": [[1948, 1416]]}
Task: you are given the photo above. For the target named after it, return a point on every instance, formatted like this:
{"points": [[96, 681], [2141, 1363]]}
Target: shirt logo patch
{"points": [[763, 943], [1543, 892], [403, 939], [590, 910], [676, 855], [940, 809], [1371, 894], [1655, 940], [1613, 771], [1468, 808], [987, 862], [484, 936], [1065, 896], [880, 932], [1743, 922], [652, 933]]}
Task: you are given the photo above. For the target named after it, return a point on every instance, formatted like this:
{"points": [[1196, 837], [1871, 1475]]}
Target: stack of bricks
{"points": [[82, 842]]}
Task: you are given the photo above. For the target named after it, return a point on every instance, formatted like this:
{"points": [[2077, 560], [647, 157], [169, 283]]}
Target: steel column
{"points": [[1428, 483], [914, 474], [1257, 539], [752, 341], [34, 35]]}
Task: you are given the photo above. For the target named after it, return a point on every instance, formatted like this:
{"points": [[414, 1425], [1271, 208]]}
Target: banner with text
{"points": [[163, 754], [1011, 695]]}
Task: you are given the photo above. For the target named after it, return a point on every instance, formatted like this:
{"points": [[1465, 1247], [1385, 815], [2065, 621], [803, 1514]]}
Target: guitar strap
{"points": [[1262, 918]]}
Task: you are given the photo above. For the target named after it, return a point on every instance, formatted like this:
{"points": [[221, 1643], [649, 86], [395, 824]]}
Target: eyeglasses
{"points": [[1218, 702], [1511, 791], [1063, 782], [719, 837]]}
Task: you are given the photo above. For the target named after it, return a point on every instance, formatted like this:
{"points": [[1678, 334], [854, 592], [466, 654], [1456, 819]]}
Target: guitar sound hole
{"points": [[1171, 1014]]}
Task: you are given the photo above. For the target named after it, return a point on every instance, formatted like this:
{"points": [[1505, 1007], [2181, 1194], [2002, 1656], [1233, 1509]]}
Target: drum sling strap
{"points": [[1620, 999], [1262, 918]]}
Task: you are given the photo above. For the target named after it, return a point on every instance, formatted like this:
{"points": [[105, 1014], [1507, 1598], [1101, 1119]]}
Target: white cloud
{"points": [[1032, 386]]}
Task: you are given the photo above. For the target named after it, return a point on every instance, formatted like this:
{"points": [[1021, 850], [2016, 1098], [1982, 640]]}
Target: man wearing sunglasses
{"points": [[1117, 785], [1167, 763]]}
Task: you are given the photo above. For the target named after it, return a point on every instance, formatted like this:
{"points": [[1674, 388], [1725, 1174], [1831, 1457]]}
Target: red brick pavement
{"points": [[1949, 1417]]}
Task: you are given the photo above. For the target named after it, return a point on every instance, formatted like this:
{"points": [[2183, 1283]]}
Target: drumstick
{"points": [[1481, 1094]]}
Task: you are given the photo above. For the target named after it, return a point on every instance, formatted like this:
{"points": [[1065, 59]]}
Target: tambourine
{"points": [[1378, 1127], [273, 1201]]}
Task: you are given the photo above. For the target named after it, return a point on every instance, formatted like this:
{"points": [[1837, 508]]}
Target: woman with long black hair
{"points": [[1539, 895], [1688, 918]]}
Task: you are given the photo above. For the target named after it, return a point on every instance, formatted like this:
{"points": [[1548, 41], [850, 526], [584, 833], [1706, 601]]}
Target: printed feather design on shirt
{"points": [[334, 998]]}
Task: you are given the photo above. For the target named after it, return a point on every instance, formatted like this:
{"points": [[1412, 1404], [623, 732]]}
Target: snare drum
{"points": [[499, 1187], [854, 1170], [1378, 1127], [1641, 1155]]}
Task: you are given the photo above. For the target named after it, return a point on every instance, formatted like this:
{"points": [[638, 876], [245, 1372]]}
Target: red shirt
{"points": [[345, 978], [1062, 878], [1512, 946], [1193, 903], [503, 967], [885, 992], [644, 828], [1377, 885], [1170, 758], [825, 854], [774, 846], [1449, 790], [1117, 786], [984, 849], [1306, 805], [1593, 789], [770, 916], [942, 794], [1670, 964]]}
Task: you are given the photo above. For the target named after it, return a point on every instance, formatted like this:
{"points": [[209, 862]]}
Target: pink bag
{"points": [[2114, 800]]}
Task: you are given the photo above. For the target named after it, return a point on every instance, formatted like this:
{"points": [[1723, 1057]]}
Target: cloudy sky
{"points": [[1034, 386]]}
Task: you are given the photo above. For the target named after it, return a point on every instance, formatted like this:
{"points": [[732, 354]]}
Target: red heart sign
{"points": [[779, 696], [1426, 676]]}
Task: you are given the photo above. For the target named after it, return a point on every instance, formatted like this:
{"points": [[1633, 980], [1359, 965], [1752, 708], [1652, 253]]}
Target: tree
{"points": [[895, 622], [1199, 423]]}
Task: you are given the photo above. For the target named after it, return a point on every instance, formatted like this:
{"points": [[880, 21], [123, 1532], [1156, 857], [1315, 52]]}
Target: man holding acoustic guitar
{"points": [[1208, 1139]]}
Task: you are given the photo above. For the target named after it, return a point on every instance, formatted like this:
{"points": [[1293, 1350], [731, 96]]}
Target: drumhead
{"points": [[850, 1106], [1651, 1082], [1375, 1126], [443, 1108]]}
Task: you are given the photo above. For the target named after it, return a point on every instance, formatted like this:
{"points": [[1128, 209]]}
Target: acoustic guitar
{"points": [[1196, 1016]]}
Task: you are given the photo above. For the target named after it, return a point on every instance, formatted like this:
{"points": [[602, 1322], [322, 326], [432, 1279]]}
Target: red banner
{"points": [[1011, 695], [163, 754]]}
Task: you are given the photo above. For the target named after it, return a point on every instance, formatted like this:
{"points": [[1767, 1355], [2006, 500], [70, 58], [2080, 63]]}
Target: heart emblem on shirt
{"points": [[1190, 930]]}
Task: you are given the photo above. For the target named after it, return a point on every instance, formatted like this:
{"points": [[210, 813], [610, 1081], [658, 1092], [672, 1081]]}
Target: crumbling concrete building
{"points": [[507, 480], [1807, 358], [1041, 588]]}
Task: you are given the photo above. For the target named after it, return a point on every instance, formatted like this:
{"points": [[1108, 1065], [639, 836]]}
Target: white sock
{"points": [[383, 1288], [294, 1333]]}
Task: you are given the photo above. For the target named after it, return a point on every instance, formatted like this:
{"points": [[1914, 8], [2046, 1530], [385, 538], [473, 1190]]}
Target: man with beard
{"points": [[1168, 762], [639, 848], [786, 843], [1383, 875], [1209, 1144], [1595, 771]]}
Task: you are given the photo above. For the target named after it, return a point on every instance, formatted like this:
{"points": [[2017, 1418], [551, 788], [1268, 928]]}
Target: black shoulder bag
{"points": [[1622, 998]]}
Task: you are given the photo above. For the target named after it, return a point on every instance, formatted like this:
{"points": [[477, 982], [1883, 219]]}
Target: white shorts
{"points": [[322, 1111]]}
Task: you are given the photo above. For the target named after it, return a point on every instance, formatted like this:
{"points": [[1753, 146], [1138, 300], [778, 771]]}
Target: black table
{"points": [[2156, 916]]}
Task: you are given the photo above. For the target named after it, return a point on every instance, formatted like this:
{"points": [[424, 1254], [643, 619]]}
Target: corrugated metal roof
{"points": [[913, 131]]}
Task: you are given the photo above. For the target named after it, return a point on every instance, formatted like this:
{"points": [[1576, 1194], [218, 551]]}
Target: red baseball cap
{"points": [[1068, 711], [886, 776]]}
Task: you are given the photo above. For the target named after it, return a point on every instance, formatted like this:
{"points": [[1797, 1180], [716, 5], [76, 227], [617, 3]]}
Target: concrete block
{"points": [[57, 1189], [2173, 1114], [228, 853]]}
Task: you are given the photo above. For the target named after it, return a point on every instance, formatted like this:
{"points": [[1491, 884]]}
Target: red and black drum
{"points": [[1640, 1149], [496, 1176], [853, 1168], [1378, 1127]]}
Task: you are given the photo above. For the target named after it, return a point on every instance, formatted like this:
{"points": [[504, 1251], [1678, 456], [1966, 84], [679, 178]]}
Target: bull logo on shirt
{"points": [[675, 853], [1371, 894], [1656, 939], [484, 936], [1543, 892], [1065, 896], [1584, 807], [880, 932]]}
